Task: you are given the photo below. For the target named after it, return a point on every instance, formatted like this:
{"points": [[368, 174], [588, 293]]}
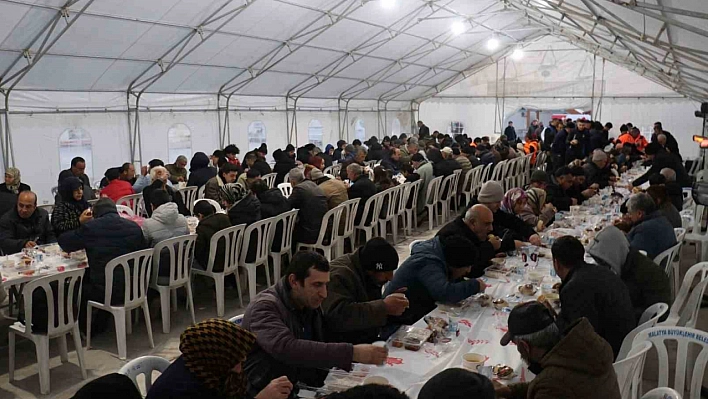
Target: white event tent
{"points": [[133, 80]]}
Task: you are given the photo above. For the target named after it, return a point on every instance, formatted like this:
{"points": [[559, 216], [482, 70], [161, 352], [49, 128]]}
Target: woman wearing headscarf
{"points": [[199, 170], [73, 210], [537, 212], [210, 366], [241, 205], [514, 201], [12, 184]]}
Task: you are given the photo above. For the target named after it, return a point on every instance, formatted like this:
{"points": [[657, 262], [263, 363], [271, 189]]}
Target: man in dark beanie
{"points": [[433, 273], [354, 309], [105, 237], [457, 383]]}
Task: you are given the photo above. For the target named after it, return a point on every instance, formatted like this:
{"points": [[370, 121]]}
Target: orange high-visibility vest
{"points": [[532, 147]]}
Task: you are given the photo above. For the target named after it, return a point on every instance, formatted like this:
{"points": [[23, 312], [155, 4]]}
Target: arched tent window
{"points": [[314, 133], [256, 134], [359, 130], [179, 139], [457, 127], [75, 142], [396, 127]]}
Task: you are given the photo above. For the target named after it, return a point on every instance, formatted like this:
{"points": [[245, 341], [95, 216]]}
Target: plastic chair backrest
{"points": [[232, 237], [330, 226], [327, 170], [216, 205], [136, 272], [403, 196], [665, 259], [685, 309], [497, 172], [469, 180], [662, 393], [486, 173], [680, 234], [62, 295], [414, 190], [200, 193], [131, 201], [447, 186], [410, 246], [456, 181], [389, 199], [288, 220], [237, 319], [629, 369], [189, 195], [372, 208], [269, 179], [683, 336], [180, 251], [286, 189], [649, 318], [697, 220], [124, 209], [349, 214], [262, 232], [432, 196], [144, 365], [336, 169]]}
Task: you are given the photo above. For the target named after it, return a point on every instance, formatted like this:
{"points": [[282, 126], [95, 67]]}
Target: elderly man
{"points": [[312, 203], [596, 171], [674, 189], [392, 161], [361, 187], [475, 225], [354, 309], [358, 158], [178, 170], [434, 273], [545, 347], [646, 281], [669, 141], [25, 226], [593, 292], [505, 224], [651, 231], [288, 323], [78, 168]]}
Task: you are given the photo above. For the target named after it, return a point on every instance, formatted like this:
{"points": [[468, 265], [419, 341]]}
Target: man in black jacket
{"points": [[671, 143], [105, 237], [557, 189], [361, 187], [25, 226], [284, 161], [358, 158], [596, 171], [423, 131], [78, 166], [254, 162], [660, 160], [311, 201], [593, 292]]}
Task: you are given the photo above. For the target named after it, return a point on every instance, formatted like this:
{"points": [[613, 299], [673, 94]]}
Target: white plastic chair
{"points": [[662, 393], [67, 283], [666, 261], [445, 195], [136, 271], [432, 199], [237, 319], [260, 232], [124, 209], [403, 198], [231, 239], [287, 220], [132, 201], [684, 310], [468, 184], [327, 240], [411, 212], [349, 214], [683, 336], [629, 370], [457, 173], [649, 319], [144, 365], [486, 174], [389, 205], [200, 193], [697, 236], [216, 205], [269, 179], [189, 195], [286, 189], [180, 255], [368, 224]]}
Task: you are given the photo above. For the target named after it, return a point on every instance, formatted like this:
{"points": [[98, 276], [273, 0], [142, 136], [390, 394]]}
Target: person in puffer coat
{"points": [[166, 221], [646, 281]]}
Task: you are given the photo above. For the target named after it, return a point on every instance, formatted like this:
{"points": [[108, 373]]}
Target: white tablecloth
{"points": [[52, 263]]}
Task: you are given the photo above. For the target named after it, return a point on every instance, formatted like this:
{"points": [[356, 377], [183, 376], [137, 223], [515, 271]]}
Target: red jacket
{"points": [[117, 189]]}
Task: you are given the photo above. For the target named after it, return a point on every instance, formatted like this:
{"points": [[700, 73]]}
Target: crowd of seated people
{"points": [[323, 314]]}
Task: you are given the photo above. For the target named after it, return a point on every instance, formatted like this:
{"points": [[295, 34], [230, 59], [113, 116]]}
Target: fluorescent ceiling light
{"points": [[517, 54], [388, 4], [493, 43], [458, 27]]}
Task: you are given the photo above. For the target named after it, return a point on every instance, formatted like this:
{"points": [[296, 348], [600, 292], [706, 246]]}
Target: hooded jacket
{"points": [[165, 223], [199, 170], [354, 309], [578, 367], [598, 294], [654, 235], [283, 164], [290, 341], [645, 280], [312, 205], [273, 203], [425, 274]]}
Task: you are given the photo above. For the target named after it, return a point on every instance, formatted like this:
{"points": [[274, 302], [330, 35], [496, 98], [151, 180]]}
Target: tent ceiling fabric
{"points": [[349, 49]]}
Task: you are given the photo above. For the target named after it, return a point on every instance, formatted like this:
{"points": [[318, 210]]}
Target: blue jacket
{"points": [[425, 275], [654, 235]]}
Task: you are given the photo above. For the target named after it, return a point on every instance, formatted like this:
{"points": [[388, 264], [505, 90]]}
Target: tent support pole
{"points": [[136, 148], [4, 133], [592, 96]]}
